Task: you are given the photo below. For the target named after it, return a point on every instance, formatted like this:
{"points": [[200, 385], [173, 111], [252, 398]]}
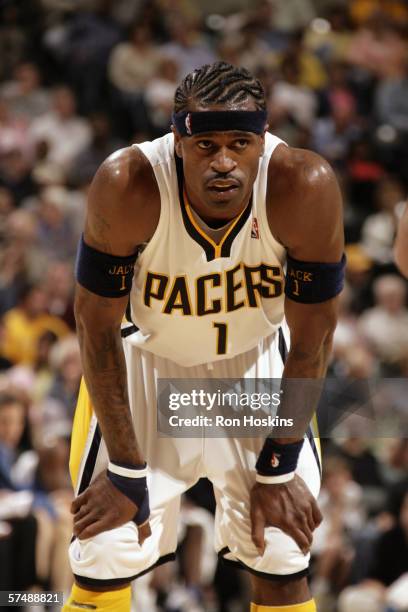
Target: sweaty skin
{"points": [[305, 213]]}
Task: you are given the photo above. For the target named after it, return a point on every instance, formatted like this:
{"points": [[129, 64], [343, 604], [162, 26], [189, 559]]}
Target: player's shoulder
{"points": [[125, 171], [293, 172], [303, 197], [124, 196]]}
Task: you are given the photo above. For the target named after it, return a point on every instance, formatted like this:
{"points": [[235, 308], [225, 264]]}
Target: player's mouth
{"points": [[223, 190]]}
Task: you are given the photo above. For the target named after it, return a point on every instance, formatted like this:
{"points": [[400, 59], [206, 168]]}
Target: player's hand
{"points": [[289, 506], [102, 507]]}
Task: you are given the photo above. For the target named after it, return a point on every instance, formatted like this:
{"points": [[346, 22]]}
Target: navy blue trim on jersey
{"points": [[90, 461], [273, 577], [128, 331], [85, 581], [314, 282], [282, 346]]}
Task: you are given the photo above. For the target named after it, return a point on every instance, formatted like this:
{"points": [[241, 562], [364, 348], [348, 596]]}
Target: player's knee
{"points": [[279, 592]]}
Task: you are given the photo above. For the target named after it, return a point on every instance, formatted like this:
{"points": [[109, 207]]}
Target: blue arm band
{"points": [[311, 283], [278, 459], [135, 488], [103, 274]]}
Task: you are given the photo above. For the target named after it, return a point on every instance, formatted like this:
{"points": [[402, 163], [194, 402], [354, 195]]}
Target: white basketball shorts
{"points": [[176, 464]]}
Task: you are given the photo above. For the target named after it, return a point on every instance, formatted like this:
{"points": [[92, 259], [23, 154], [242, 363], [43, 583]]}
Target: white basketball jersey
{"points": [[195, 301]]}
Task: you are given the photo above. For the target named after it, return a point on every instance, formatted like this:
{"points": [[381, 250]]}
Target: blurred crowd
{"points": [[79, 80]]}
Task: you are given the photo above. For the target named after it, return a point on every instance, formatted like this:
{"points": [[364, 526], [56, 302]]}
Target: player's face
{"points": [[220, 168]]}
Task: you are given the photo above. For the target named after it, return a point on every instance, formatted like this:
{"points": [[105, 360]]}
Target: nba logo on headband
{"points": [[188, 124]]}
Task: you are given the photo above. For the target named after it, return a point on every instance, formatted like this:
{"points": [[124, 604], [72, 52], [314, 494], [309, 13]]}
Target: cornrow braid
{"points": [[218, 83]]}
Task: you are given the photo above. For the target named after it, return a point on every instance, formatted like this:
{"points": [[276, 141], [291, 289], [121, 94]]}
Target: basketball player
{"points": [[197, 227], [401, 244]]}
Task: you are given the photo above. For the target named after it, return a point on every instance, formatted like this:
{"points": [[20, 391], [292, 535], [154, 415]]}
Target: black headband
{"points": [[188, 124]]}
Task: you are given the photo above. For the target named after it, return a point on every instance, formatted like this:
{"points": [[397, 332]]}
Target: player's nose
{"points": [[222, 161]]}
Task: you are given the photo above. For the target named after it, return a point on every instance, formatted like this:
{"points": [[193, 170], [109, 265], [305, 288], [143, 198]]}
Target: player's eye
{"points": [[241, 143], [204, 144]]}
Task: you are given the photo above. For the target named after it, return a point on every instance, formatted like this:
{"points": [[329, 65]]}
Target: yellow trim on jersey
{"points": [[217, 247], [80, 430]]}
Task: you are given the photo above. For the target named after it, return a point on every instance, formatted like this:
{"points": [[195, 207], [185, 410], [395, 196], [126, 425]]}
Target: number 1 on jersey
{"points": [[221, 338]]}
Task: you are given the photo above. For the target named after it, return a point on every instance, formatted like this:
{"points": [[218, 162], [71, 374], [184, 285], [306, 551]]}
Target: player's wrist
{"points": [[282, 479], [131, 481], [277, 463], [138, 470]]}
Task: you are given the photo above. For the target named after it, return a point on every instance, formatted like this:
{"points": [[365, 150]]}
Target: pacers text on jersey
{"points": [[240, 286]]}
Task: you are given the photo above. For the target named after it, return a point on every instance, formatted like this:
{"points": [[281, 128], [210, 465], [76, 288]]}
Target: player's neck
{"points": [[215, 219]]}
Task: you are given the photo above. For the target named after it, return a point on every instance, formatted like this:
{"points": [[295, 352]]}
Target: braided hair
{"points": [[218, 83]]}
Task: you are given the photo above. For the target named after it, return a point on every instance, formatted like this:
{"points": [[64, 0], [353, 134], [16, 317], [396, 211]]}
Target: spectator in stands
{"points": [[379, 46], [25, 323], [13, 129], [64, 133], [13, 276], [59, 286], [159, 95], [90, 37], [12, 39], [24, 93], [387, 577], [341, 503], [391, 101], [16, 175], [385, 326], [333, 135], [330, 37], [66, 363], [56, 230], [22, 495], [187, 46], [379, 229], [293, 99], [102, 144], [131, 66]]}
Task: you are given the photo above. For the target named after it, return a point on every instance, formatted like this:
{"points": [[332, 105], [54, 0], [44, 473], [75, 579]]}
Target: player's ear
{"points": [[177, 142]]}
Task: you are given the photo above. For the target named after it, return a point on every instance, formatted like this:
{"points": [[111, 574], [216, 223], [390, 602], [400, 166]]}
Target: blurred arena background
{"points": [[80, 79]]}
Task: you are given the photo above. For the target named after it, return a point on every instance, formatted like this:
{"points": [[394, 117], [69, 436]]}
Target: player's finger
{"points": [[309, 518], [317, 515], [78, 502], [258, 529], [304, 527], [144, 532], [94, 529], [82, 511], [83, 522], [300, 539]]}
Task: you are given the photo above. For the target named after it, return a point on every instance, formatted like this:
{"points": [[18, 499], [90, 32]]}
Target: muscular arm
{"points": [[117, 221], [401, 244], [308, 222]]}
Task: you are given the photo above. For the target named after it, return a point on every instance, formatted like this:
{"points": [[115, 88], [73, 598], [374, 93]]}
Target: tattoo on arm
{"points": [[300, 397], [105, 375]]}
